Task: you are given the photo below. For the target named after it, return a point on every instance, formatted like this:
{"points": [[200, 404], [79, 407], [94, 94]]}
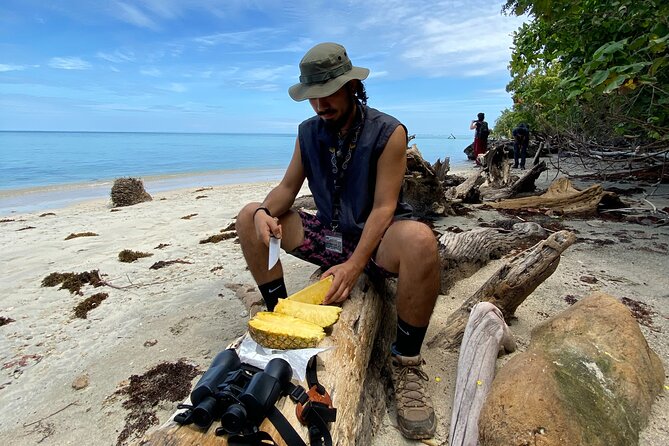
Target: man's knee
{"points": [[244, 219]]}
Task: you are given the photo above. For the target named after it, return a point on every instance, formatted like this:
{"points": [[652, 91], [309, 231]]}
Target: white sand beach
{"points": [[60, 372]]}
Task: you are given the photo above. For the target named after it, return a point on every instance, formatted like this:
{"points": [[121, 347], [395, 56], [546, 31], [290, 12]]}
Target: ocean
{"points": [[41, 170]]}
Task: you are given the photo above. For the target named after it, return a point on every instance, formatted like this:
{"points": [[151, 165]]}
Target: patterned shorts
{"points": [[313, 249]]}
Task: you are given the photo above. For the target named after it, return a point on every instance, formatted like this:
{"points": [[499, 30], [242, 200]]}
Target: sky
{"points": [[226, 65]]}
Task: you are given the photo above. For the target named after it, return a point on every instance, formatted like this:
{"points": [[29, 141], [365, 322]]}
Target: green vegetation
{"points": [[591, 70]]}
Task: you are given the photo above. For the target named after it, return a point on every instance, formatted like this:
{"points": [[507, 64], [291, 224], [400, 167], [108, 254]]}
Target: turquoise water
{"points": [[40, 170]]}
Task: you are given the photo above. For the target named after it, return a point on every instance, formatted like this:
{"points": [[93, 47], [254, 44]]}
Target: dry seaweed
{"points": [[73, 281], [81, 310], [128, 256], [165, 382], [641, 312], [25, 228], [188, 217], [6, 220], [80, 234], [164, 263], [128, 191], [162, 245], [202, 189], [46, 214], [6, 320], [230, 227], [218, 237], [200, 196]]}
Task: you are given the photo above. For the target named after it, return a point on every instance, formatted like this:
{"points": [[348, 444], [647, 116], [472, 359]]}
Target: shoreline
{"points": [[57, 196]]}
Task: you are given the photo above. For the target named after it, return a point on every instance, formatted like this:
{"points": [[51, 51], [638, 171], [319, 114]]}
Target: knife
{"points": [[274, 245]]}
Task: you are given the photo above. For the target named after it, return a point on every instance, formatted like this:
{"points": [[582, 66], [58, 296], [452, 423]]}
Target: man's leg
{"points": [[409, 248], [270, 282], [516, 154]]}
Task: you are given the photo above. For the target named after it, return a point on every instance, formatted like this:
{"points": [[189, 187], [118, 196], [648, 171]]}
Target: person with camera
{"points": [[354, 159], [480, 136]]}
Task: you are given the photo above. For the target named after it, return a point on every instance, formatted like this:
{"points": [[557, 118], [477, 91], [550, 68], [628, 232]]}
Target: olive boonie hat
{"points": [[323, 70]]}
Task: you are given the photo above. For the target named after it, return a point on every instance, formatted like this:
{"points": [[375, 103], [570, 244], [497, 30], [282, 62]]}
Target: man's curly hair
{"points": [[360, 92]]}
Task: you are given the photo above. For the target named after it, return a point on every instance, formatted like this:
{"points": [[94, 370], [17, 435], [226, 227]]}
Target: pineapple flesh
{"points": [[283, 332], [313, 294], [324, 316]]}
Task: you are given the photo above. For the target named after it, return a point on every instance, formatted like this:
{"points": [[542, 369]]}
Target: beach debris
{"points": [[80, 234], [202, 189], [588, 279], [218, 237], [81, 310], [216, 268], [80, 382], [25, 228], [73, 281], [115, 210], [188, 217], [230, 227], [570, 299], [150, 342], [582, 381], [5, 320], [46, 214], [20, 363], [165, 382], [305, 202], [129, 256], [6, 220], [164, 263], [162, 245], [641, 311], [128, 191], [200, 196]]}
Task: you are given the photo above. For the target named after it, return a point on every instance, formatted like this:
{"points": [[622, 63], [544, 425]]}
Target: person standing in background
{"points": [[521, 140], [480, 136]]}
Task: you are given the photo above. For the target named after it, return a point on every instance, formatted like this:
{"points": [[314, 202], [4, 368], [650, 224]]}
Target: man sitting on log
{"points": [[354, 158]]}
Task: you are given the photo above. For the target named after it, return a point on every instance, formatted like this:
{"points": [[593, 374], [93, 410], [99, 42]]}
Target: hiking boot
{"points": [[415, 414]]}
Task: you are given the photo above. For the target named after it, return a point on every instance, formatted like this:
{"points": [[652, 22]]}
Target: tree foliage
{"points": [[599, 67]]}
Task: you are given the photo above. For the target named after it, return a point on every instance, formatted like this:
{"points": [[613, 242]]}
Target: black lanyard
{"points": [[340, 159]]}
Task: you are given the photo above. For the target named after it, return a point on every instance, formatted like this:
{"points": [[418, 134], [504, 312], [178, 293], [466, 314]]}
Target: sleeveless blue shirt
{"points": [[317, 142]]}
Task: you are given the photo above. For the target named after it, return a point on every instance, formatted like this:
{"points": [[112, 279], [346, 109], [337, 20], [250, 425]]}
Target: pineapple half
{"points": [[283, 332], [313, 294], [322, 315]]}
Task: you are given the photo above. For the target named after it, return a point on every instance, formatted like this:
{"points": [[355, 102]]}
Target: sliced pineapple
{"points": [[315, 293], [280, 331], [322, 315]]}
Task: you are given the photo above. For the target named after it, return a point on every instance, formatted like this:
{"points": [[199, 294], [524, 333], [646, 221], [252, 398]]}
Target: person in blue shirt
{"points": [[354, 159]]}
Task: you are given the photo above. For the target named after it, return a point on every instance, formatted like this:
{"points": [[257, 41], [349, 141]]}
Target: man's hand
{"points": [[345, 275], [266, 226]]}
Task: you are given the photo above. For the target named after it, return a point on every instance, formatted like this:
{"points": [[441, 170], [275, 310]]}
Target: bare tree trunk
{"points": [[485, 336], [509, 286]]}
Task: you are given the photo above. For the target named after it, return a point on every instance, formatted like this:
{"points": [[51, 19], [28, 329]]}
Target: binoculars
{"points": [[239, 395]]}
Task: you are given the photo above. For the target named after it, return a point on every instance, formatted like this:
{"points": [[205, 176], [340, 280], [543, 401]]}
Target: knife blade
{"points": [[274, 245]]}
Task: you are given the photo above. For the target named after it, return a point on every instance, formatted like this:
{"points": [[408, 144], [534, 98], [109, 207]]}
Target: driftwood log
{"points": [[468, 191], [462, 254], [485, 336], [523, 184], [561, 196], [345, 371], [422, 188], [497, 168], [128, 191], [509, 286]]}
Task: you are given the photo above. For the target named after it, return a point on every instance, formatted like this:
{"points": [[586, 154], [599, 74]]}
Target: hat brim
{"points": [[300, 92]]}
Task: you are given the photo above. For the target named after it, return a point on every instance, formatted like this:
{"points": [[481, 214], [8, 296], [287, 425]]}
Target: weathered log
{"points": [[345, 371], [486, 335], [462, 254], [523, 184], [467, 191], [422, 189], [441, 168], [509, 286], [588, 377], [560, 196], [497, 168]]}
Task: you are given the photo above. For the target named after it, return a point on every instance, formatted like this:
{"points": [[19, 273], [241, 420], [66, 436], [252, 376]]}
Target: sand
{"points": [[60, 373]]}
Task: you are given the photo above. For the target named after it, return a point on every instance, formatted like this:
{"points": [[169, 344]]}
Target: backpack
{"points": [[484, 131]]}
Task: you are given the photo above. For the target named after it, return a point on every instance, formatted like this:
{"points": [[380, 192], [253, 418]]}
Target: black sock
{"points": [[409, 339], [272, 292]]}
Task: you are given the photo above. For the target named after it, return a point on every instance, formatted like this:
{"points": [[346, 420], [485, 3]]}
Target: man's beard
{"points": [[336, 125]]}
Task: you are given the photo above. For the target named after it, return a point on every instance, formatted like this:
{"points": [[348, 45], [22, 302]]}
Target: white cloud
{"points": [[176, 87], [69, 63], [7, 67], [117, 56], [131, 14], [151, 71]]}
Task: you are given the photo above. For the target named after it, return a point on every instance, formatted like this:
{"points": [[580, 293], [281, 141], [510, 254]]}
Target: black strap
{"points": [[285, 429]]}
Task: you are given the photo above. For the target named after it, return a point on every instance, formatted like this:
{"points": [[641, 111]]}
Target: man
{"points": [[480, 136], [354, 158], [521, 140]]}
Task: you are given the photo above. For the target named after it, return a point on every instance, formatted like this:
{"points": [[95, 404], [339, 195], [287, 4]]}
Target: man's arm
{"points": [[281, 198], [391, 168]]}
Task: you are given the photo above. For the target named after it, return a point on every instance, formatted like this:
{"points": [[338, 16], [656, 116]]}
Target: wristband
{"points": [[261, 208]]}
